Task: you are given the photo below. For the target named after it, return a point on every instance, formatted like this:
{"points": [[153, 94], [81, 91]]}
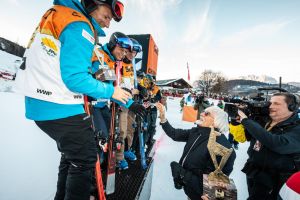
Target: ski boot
{"points": [[129, 155], [122, 165]]}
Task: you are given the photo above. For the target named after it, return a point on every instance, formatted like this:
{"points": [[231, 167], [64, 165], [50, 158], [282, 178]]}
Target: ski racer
{"points": [[154, 95], [116, 49], [127, 118], [54, 78]]}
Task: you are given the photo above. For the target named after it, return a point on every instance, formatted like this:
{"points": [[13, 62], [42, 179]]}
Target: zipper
{"points": [[189, 150]]}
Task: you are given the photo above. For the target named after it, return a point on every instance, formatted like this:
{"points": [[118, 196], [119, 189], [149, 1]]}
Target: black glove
{"points": [[178, 174], [143, 93], [138, 109]]}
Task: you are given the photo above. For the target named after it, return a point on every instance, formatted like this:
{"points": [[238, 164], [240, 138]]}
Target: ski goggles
{"points": [[137, 48], [118, 11], [124, 43]]}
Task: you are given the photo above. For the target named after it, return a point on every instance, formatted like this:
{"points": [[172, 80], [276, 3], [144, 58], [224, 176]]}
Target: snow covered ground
{"points": [[29, 158]]}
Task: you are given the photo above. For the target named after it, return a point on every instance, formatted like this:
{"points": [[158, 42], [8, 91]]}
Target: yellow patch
{"points": [[49, 46], [49, 43]]}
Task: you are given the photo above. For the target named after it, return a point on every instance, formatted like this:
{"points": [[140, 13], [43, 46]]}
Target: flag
{"points": [[189, 78]]}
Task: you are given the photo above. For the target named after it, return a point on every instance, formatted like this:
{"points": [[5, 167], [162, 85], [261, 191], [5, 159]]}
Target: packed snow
{"points": [[29, 158]]}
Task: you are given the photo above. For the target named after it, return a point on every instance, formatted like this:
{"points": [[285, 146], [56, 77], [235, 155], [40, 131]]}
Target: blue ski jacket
{"points": [[75, 62]]}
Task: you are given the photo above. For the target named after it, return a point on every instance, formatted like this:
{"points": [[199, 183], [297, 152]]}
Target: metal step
{"points": [[134, 183]]}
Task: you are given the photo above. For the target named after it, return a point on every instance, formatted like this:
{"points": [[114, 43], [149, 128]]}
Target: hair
{"points": [[290, 99], [220, 118]]}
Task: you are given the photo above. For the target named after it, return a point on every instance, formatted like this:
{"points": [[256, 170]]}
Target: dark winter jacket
{"points": [[280, 147], [198, 161]]}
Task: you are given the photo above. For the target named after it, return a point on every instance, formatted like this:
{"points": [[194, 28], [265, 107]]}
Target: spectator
{"points": [[274, 151], [236, 134], [201, 103], [181, 104], [196, 160], [220, 104]]}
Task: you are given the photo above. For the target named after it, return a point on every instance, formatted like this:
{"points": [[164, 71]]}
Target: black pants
{"points": [[231, 139], [75, 140], [263, 187], [148, 137], [102, 118]]}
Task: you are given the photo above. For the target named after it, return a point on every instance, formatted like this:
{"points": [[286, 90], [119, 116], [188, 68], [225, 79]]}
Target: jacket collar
{"points": [[106, 50], [76, 5]]}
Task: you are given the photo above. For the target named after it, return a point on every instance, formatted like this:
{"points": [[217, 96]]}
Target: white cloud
{"points": [[14, 2], [194, 40], [257, 31], [198, 27], [145, 17]]}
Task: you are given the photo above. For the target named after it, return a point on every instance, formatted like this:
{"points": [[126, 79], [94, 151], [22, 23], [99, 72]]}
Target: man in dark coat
{"points": [[274, 152], [195, 160], [200, 104]]}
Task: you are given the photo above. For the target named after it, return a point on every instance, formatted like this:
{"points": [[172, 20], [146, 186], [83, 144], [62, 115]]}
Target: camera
{"points": [[257, 108]]}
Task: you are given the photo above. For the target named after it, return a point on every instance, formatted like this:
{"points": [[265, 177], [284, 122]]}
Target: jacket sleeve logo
{"points": [[88, 36], [49, 46], [45, 92]]}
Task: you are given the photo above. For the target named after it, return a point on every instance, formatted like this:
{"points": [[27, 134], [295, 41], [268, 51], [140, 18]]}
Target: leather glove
{"points": [[138, 109]]}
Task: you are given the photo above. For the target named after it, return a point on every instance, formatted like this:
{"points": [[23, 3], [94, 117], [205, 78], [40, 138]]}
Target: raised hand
{"points": [[162, 113], [121, 95]]}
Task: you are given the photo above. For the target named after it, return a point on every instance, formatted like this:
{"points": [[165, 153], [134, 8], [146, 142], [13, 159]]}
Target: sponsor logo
{"points": [[76, 14], [129, 69], [77, 96], [88, 36], [45, 92], [49, 46], [104, 66]]}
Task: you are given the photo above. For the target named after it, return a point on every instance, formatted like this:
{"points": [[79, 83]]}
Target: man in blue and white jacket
{"points": [[55, 77]]}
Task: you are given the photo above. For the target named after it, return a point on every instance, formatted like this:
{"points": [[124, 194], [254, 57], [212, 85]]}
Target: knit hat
{"points": [[291, 189]]}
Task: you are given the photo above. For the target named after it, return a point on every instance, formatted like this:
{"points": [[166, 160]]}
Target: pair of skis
{"points": [[98, 174], [139, 125], [112, 143], [114, 132], [113, 137]]}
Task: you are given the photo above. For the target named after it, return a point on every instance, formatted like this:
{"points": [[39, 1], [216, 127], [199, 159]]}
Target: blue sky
{"points": [[235, 37]]}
